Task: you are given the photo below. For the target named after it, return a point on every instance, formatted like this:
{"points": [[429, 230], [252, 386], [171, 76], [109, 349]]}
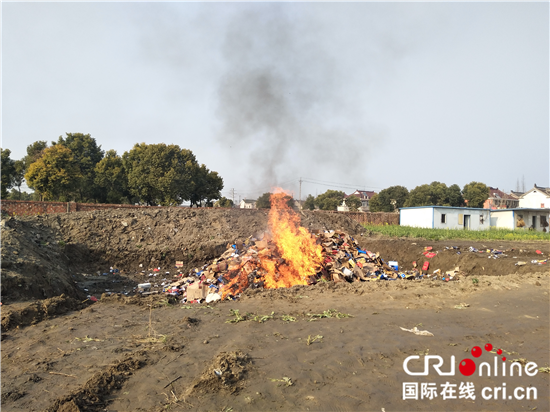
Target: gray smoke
{"points": [[283, 100]]}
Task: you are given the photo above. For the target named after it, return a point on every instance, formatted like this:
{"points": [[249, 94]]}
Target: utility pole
{"points": [[233, 196], [300, 192]]}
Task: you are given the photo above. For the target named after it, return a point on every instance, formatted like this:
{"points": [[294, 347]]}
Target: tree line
{"points": [[473, 194], [75, 168]]}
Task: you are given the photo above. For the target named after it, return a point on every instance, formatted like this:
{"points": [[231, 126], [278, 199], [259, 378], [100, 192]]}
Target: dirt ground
{"points": [[286, 349]]}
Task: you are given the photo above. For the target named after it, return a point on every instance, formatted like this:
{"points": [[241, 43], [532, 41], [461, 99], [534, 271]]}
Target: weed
{"points": [[310, 340], [238, 317], [475, 281], [139, 246], [61, 243], [288, 318], [286, 381], [331, 313], [262, 319]]}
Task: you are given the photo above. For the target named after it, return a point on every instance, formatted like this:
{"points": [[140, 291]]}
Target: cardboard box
{"points": [[197, 291]]}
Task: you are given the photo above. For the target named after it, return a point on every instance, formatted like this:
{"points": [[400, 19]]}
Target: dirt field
{"points": [[291, 349]]}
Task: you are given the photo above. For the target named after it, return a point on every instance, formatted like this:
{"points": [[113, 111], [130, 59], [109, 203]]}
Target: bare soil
{"points": [[293, 349]]}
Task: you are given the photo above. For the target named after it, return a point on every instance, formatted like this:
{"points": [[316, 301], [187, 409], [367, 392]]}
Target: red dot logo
{"points": [[504, 358], [499, 351], [467, 367], [476, 351], [488, 347]]}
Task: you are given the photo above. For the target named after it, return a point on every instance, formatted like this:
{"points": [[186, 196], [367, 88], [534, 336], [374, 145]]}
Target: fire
{"points": [[301, 255], [289, 258]]}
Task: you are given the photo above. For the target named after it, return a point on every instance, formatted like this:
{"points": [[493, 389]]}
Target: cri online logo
{"points": [[467, 367]]}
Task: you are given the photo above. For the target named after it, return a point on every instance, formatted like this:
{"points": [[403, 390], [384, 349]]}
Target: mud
{"points": [[332, 346]]}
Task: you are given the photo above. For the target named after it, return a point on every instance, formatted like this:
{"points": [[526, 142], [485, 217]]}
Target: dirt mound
{"points": [[32, 313], [45, 256], [226, 373], [92, 395]]}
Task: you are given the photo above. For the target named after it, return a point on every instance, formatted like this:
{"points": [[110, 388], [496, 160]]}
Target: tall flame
{"points": [[301, 256], [290, 257]]}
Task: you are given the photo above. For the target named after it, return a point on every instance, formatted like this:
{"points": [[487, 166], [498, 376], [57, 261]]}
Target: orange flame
{"points": [[294, 257], [301, 256]]}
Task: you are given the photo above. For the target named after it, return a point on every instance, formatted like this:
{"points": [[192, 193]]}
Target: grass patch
{"points": [[310, 339], [445, 234]]}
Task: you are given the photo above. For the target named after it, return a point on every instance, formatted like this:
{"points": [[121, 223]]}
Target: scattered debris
{"points": [[418, 332]]}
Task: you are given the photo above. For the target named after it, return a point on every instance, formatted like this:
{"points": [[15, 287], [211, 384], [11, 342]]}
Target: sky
{"points": [[343, 96]]}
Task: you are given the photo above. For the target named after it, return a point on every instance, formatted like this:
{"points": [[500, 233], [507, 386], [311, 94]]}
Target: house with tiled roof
{"points": [[499, 200], [538, 198], [365, 197]]}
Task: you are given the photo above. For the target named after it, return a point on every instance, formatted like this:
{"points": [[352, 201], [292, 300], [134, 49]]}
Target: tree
{"points": [[353, 202], [330, 200], [55, 175], [111, 179], [309, 202], [390, 199], [159, 173], [7, 171], [18, 175], [87, 154], [206, 185], [224, 202], [34, 152], [18, 195], [455, 196], [419, 196], [264, 201], [436, 194], [374, 203], [475, 194]]}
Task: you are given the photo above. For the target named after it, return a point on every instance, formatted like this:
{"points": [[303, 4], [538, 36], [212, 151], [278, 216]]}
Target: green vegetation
{"points": [[444, 234]]}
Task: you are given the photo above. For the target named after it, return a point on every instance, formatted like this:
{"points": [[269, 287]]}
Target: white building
{"points": [[536, 198], [247, 204], [533, 218], [445, 217]]}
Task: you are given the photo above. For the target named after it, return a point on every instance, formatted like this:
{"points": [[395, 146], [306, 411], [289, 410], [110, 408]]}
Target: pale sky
{"points": [[355, 95]]}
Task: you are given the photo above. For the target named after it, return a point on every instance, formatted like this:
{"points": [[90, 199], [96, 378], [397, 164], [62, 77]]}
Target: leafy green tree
{"points": [[374, 204], [87, 154], [111, 179], [34, 152], [56, 175], [436, 194], [475, 194], [330, 200], [455, 196], [309, 202], [390, 199], [353, 202], [419, 196], [7, 172], [206, 186], [159, 173], [18, 176], [18, 195], [264, 201], [224, 202]]}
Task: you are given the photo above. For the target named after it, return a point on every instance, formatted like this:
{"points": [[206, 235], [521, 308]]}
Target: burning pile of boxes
{"points": [[240, 267]]}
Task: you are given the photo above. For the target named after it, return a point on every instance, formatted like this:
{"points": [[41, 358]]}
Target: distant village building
{"points": [[365, 197], [445, 217], [499, 200], [537, 198], [343, 207], [247, 204], [521, 218]]}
